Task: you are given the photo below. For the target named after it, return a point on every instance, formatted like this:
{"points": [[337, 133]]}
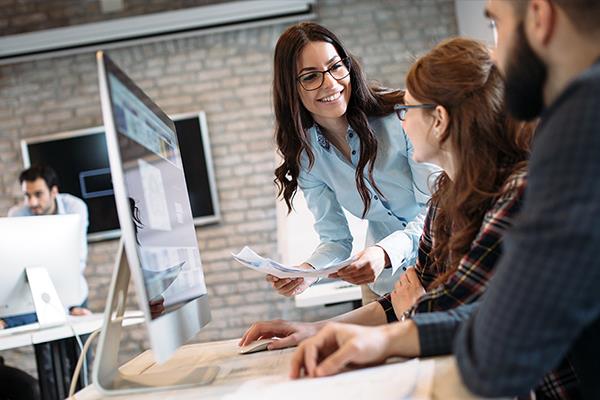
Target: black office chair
{"points": [[585, 358], [16, 384]]}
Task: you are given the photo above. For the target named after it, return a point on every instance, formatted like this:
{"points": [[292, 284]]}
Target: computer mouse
{"points": [[258, 345]]}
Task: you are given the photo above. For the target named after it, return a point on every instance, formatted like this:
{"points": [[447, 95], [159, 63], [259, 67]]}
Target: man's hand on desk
{"points": [[291, 286], [291, 333], [366, 268], [79, 311], [339, 345]]}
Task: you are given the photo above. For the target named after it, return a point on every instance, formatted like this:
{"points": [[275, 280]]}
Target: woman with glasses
{"points": [[343, 146], [454, 114]]}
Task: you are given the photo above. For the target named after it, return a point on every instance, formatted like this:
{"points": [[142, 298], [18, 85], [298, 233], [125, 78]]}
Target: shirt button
{"points": [[353, 152], [375, 197], [351, 134], [389, 213], [403, 225], [403, 268]]}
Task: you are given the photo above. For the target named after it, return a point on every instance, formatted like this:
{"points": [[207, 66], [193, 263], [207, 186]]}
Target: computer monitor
{"points": [[52, 242], [80, 159], [158, 234]]}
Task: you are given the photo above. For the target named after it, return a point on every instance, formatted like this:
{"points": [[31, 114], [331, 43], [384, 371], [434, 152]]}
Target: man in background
{"points": [[40, 188]]}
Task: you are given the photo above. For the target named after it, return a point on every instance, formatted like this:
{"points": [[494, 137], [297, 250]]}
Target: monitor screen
{"points": [[155, 190], [80, 159]]}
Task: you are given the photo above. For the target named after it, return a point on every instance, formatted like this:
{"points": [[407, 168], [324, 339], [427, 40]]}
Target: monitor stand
{"points": [[108, 377], [48, 307]]}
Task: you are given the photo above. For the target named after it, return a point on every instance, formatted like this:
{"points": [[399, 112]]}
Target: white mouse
{"points": [[258, 345]]}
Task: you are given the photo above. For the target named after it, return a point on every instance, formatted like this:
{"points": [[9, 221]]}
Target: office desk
{"points": [[264, 376], [337, 291], [82, 325], [55, 379]]}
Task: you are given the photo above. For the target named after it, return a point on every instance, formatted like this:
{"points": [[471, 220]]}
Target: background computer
{"points": [[159, 244], [51, 243]]}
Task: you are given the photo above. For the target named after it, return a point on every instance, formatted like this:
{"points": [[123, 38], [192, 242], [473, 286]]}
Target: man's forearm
{"points": [[403, 339]]}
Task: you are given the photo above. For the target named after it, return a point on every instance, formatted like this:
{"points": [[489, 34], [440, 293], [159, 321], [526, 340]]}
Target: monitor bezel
{"points": [[184, 322]]}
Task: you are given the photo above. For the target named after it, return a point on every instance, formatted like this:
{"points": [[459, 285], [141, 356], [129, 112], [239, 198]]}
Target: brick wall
{"points": [[227, 75]]}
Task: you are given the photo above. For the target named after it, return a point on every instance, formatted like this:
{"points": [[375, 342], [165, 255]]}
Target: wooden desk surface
{"points": [[271, 368]]}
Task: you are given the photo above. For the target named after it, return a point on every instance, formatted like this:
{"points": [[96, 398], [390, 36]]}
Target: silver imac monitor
{"points": [[51, 242], [158, 234]]}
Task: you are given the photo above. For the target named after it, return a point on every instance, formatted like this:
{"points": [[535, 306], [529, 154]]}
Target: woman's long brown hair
{"points": [[292, 119], [487, 146]]}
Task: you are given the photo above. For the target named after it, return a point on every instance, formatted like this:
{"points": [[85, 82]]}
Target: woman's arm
{"points": [[291, 333], [372, 314], [332, 227], [330, 222]]}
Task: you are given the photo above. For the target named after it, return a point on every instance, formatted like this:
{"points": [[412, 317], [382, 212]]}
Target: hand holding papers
{"points": [[263, 265]]}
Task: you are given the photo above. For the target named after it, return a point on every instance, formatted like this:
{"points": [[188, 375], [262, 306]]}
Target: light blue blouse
{"points": [[395, 221]]}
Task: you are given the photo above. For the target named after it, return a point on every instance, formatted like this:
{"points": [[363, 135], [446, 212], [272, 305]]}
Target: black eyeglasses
{"points": [[401, 109], [314, 79]]}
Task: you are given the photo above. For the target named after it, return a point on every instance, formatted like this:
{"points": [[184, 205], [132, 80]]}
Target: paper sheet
{"points": [[404, 380], [263, 265]]}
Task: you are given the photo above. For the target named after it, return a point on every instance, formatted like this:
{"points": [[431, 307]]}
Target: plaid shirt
{"points": [[475, 268], [474, 271]]}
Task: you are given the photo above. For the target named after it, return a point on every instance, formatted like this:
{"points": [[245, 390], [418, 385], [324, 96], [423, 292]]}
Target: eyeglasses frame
{"points": [[401, 109], [345, 60]]}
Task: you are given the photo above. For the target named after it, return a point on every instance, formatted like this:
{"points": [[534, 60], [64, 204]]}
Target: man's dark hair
{"points": [[40, 171], [584, 14]]}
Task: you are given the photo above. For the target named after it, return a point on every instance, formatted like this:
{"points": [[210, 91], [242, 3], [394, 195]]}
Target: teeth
{"points": [[331, 98]]}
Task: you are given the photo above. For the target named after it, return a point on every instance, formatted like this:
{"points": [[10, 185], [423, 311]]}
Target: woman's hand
{"points": [[291, 333], [366, 268], [157, 306], [291, 286], [79, 311], [406, 292]]}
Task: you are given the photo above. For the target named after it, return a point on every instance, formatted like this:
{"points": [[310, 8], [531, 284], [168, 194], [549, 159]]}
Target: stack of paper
{"points": [[406, 380], [263, 265]]}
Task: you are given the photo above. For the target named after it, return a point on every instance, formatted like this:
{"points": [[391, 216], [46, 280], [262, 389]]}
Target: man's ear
{"points": [[540, 19], [54, 190], [441, 121]]}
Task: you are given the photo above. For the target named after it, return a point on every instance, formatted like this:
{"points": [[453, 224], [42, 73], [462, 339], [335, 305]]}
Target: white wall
{"points": [[296, 237], [472, 22]]}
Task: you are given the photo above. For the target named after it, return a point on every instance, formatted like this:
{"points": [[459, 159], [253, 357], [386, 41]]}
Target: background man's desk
{"points": [[264, 376], [10, 339], [55, 377]]}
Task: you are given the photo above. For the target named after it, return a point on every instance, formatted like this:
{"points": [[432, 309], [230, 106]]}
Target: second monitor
{"points": [[52, 242]]}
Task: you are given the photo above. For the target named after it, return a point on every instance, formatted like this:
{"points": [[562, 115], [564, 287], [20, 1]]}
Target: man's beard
{"points": [[525, 79]]}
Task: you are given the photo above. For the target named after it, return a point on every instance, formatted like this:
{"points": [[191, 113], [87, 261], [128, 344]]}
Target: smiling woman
{"points": [[342, 145]]}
